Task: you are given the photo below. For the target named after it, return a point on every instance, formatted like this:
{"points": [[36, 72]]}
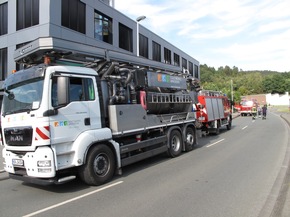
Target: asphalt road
{"points": [[232, 174]]}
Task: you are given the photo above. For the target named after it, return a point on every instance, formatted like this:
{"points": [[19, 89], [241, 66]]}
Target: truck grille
{"points": [[18, 136]]}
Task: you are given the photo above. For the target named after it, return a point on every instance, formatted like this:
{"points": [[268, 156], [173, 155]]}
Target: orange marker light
{"points": [[46, 60]]}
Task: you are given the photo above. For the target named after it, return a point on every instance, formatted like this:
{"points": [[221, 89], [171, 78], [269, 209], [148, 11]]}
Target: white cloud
{"points": [[249, 34], [269, 54], [274, 25]]}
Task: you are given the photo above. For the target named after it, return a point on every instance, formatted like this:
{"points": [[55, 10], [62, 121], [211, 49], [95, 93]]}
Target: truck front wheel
{"points": [[175, 143], [100, 166]]}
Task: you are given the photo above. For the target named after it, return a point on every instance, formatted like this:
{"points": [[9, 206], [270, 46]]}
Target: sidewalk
{"points": [[282, 205]]}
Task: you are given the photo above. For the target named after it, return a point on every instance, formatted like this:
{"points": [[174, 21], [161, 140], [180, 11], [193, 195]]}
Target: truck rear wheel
{"points": [[190, 139], [100, 166], [217, 130], [229, 126], [175, 143]]}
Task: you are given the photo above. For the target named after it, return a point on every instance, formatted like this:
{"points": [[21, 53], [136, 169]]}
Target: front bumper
{"points": [[38, 164]]}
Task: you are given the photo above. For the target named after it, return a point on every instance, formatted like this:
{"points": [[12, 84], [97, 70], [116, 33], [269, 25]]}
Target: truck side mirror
{"points": [[62, 91]]}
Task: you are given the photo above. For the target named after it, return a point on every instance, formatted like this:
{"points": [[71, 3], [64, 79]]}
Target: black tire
{"points": [[229, 126], [190, 139], [175, 143], [217, 130], [100, 166]]}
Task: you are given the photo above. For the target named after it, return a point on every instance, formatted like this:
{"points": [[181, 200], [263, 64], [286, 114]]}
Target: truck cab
{"points": [[47, 111]]}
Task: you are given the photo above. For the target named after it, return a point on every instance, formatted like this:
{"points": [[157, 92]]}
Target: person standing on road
{"points": [[259, 111], [264, 111], [254, 111]]}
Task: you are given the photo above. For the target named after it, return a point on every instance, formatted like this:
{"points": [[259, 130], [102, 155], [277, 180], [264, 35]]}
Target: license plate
{"points": [[18, 162]]}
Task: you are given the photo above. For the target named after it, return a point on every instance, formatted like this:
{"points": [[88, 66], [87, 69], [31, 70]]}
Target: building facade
{"points": [[89, 22]]}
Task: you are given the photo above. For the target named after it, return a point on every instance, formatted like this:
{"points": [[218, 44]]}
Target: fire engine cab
{"points": [[213, 111], [247, 107]]}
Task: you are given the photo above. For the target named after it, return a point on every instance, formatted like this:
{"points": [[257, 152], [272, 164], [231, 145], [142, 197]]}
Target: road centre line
{"points": [[215, 143], [73, 199], [244, 127]]}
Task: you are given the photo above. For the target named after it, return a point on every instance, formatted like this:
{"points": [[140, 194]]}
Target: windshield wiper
{"points": [[28, 110]]}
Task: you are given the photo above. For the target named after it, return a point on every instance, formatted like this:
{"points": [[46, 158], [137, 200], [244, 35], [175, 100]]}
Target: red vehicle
{"points": [[214, 111], [247, 107]]}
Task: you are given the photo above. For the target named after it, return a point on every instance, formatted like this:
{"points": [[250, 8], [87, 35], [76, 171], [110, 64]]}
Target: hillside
{"points": [[244, 82]]}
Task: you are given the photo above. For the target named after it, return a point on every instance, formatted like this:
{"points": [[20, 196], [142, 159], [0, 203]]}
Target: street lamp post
{"points": [[138, 19], [112, 3], [232, 95]]}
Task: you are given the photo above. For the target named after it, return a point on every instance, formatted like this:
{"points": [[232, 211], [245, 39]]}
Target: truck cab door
{"points": [[73, 100]]}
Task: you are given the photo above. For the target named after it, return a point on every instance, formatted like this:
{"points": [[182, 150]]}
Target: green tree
{"points": [[244, 82], [278, 83]]}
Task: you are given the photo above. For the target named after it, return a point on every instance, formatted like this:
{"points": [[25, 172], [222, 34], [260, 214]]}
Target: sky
{"points": [[248, 34]]}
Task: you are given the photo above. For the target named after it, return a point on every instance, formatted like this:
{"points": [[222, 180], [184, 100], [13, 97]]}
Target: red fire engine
{"points": [[247, 107], [214, 111]]}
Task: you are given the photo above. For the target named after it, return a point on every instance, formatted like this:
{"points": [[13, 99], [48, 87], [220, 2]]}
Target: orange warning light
{"points": [[46, 60]]}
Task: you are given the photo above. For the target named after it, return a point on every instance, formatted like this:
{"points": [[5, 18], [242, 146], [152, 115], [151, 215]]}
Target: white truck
{"points": [[73, 115]]}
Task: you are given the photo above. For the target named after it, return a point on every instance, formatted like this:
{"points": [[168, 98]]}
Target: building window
{"points": [[196, 71], [27, 13], [125, 37], [190, 67], [73, 15], [103, 27], [156, 51], [3, 18], [184, 63], [143, 46], [3, 63], [176, 60], [167, 56]]}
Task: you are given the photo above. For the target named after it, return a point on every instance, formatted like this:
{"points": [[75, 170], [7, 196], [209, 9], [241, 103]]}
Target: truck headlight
{"points": [[44, 163]]}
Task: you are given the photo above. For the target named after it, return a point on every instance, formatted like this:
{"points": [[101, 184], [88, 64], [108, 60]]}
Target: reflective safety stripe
{"points": [[42, 133]]}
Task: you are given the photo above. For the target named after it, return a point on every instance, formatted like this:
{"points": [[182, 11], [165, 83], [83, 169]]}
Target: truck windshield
{"points": [[247, 103], [25, 95]]}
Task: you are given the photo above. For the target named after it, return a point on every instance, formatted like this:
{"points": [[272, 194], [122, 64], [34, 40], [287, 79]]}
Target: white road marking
{"points": [[244, 127], [215, 143], [73, 199]]}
